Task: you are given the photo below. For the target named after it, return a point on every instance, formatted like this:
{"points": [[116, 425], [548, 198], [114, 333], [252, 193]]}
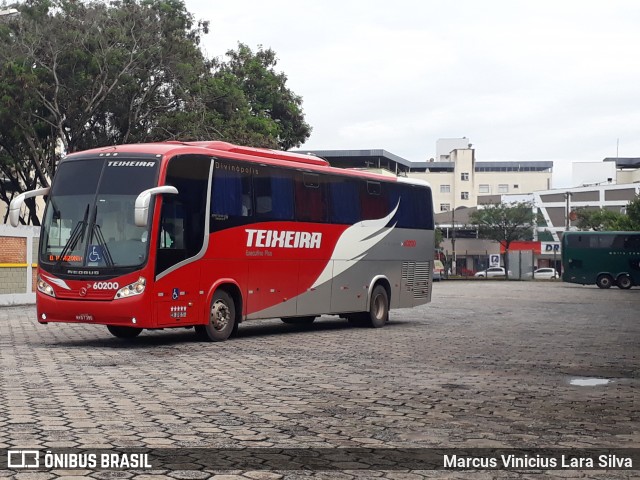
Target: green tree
{"points": [[631, 221], [77, 75], [600, 219], [505, 223], [438, 238], [273, 110], [596, 219]]}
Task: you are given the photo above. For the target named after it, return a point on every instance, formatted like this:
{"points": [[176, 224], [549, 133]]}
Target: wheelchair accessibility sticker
{"points": [[95, 253]]}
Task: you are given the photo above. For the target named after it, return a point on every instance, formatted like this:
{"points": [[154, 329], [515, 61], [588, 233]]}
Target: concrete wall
{"points": [[18, 257]]}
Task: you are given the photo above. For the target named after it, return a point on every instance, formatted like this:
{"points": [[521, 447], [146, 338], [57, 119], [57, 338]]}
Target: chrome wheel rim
{"points": [[220, 315]]}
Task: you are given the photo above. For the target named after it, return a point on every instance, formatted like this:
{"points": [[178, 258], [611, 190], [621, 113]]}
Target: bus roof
{"points": [[252, 154], [600, 232]]}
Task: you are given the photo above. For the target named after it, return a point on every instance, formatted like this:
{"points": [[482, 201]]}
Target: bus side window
{"points": [[172, 225], [374, 202], [231, 196], [632, 242], [415, 209], [311, 204], [344, 201], [274, 196], [231, 199]]}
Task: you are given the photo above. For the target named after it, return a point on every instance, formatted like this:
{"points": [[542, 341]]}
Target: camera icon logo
{"points": [[23, 458]]}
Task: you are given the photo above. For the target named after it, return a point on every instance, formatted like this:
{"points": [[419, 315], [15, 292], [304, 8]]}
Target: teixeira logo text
{"points": [[282, 239]]}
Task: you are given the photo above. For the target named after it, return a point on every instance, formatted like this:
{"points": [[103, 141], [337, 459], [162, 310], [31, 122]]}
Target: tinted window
{"points": [[602, 241], [344, 201], [231, 196], [374, 200], [94, 198], [273, 195], [415, 209], [632, 242], [311, 201], [576, 241], [126, 180], [182, 220]]}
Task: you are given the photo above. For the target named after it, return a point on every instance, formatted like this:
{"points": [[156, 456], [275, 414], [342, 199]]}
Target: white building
{"points": [[593, 173], [556, 206], [444, 147], [461, 180]]}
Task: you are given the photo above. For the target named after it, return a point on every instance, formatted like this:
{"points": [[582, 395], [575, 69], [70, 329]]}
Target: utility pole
{"points": [[453, 240], [567, 224]]}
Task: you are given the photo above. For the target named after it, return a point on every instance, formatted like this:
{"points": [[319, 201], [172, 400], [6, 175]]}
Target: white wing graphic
{"points": [[56, 281], [354, 243]]}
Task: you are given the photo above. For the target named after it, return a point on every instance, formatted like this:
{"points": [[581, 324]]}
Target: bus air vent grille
{"points": [[421, 279], [416, 276]]}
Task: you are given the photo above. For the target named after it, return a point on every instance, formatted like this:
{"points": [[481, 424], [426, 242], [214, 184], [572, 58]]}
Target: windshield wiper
{"points": [[97, 234], [76, 233]]}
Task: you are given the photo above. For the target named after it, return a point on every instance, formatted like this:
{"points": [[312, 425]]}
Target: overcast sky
{"points": [[522, 80]]}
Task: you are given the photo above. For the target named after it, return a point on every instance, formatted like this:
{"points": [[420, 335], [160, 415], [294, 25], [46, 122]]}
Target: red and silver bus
{"points": [[210, 234]]}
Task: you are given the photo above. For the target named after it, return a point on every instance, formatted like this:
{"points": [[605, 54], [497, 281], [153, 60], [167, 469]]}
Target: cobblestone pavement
{"points": [[485, 365]]}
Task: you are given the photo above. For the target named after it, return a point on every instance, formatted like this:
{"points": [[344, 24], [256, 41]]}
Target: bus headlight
{"points": [[44, 287], [135, 288]]}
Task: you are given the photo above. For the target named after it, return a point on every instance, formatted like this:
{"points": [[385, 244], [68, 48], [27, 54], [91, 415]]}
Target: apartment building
{"points": [[461, 180]]}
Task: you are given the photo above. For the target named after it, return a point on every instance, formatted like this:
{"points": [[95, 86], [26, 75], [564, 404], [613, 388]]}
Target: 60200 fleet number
{"points": [[105, 286]]}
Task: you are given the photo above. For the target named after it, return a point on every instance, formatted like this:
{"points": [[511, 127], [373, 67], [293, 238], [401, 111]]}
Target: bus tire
{"points": [[378, 314], [604, 281], [624, 281], [222, 318], [307, 320], [124, 332]]}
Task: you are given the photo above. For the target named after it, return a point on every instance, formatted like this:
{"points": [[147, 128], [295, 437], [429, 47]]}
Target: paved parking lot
{"points": [[485, 365]]}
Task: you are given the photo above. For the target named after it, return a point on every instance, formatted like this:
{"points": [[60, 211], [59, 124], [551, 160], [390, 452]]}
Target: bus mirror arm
{"points": [[16, 204], [141, 214]]}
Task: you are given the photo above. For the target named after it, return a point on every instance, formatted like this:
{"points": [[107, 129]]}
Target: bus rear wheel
{"points": [[222, 319], [124, 332], [624, 282], [604, 281], [308, 320], [378, 314]]}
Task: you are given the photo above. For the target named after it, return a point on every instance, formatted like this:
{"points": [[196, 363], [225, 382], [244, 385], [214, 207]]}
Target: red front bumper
{"points": [[130, 312]]}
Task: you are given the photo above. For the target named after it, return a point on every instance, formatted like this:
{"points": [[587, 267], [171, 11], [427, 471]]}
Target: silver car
{"points": [[491, 272], [544, 274]]}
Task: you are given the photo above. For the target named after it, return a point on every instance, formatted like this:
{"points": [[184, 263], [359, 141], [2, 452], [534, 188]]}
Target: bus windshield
{"points": [[89, 221]]}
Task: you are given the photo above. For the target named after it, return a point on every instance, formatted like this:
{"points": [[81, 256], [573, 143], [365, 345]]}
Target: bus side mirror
{"points": [[16, 204], [141, 213]]}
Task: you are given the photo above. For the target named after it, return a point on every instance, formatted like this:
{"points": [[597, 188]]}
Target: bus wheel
{"points": [[378, 307], [604, 281], [222, 318], [624, 282], [124, 332], [299, 320]]}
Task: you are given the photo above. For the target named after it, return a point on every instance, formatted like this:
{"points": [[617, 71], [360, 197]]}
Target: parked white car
{"points": [[544, 274], [491, 272], [438, 270]]}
